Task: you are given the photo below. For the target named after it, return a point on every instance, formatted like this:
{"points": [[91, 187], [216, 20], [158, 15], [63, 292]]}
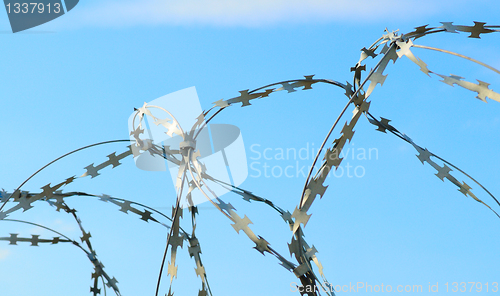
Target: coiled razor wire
{"points": [[390, 47]]}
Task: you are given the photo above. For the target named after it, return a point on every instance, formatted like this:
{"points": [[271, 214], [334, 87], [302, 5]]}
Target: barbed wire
{"points": [[191, 171]]}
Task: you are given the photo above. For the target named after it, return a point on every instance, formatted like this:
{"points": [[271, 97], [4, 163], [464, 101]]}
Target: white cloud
{"points": [[3, 254], [248, 13]]}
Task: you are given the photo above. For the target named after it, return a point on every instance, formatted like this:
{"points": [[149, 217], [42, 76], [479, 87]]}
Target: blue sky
{"points": [[76, 80]]}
